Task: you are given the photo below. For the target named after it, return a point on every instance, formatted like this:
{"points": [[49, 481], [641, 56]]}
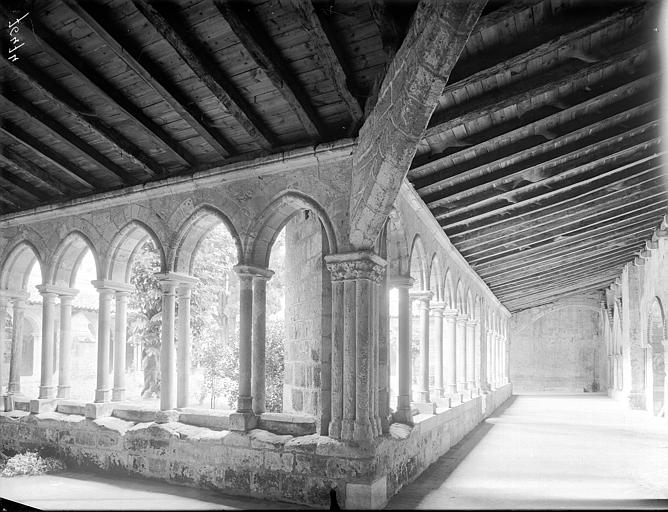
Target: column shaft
{"points": [[460, 340], [437, 313], [478, 356], [120, 333], [16, 359], [103, 390], [3, 320], [46, 386], [167, 347], [424, 350], [383, 355], [349, 351], [337, 359], [258, 391], [65, 362], [404, 413], [450, 335], [245, 403], [183, 353], [470, 357], [363, 353]]}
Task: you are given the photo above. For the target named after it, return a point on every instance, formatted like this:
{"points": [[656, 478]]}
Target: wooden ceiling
{"points": [[541, 161]]}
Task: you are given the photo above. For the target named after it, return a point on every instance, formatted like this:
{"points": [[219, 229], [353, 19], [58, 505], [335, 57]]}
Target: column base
{"points": [[242, 421], [424, 396], [46, 392], [64, 392], [425, 407], [403, 415], [455, 399], [245, 405], [443, 402], [347, 429], [362, 430], [102, 395], [98, 410], [335, 429], [41, 405], [118, 394]]}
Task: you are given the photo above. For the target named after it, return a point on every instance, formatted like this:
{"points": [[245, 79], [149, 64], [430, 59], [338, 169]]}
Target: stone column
{"points": [[167, 345], [3, 320], [258, 373], [65, 361], [450, 334], [183, 356], [384, 354], [479, 356], [47, 389], [470, 354], [360, 272], [404, 413], [14, 386], [120, 338], [337, 356], [424, 297], [437, 313], [245, 403], [489, 380], [460, 341], [103, 390]]}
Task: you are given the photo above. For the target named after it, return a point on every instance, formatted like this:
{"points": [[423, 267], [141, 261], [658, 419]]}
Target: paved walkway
{"points": [[551, 451], [76, 491]]}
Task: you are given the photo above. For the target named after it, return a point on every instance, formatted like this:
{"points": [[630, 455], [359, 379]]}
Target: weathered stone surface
{"points": [[170, 416], [293, 425], [400, 431], [135, 413], [213, 419], [261, 439], [97, 410], [71, 407]]}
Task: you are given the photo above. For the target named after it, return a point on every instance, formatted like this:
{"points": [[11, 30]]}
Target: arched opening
{"points": [[657, 347]]}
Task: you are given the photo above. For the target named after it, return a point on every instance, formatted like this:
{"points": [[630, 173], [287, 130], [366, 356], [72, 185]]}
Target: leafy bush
{"points": [[30, 463]]}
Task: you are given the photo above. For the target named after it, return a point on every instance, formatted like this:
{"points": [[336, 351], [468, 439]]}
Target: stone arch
{"points": [[418, 263], [448, 290], [124, 246], [67, 258], [656, 351], [435, 279], [469, 303], [398, 257], [18, 264], [274, 217], [477, 308], [193, 230], [460, 297]]}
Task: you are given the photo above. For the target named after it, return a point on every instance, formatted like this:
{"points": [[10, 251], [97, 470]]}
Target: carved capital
{"points": [[356, 265]]}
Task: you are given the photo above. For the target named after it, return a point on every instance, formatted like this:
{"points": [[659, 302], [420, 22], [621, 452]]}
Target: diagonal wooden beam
{"points": [[329, 61], [14, 160], [25, 189], [58, 131], [254, 39], [626, 211], [78, 111], [5, 195], [535, 217], [152, 76], [556, 169], [638, 165], [430, 171], [209, 73], [407, 98], [101, 86], [545, 297]]}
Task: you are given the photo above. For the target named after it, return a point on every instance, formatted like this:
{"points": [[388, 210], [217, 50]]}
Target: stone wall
{"points": [[559, 347], [307, 313], [298, 469]]}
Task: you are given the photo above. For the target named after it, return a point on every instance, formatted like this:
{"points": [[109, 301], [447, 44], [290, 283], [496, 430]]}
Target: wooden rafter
{"points": [[40, 82], [152, 77], [268, 58], [222, 88], [329, 61], [13, 159], [27, 190]]}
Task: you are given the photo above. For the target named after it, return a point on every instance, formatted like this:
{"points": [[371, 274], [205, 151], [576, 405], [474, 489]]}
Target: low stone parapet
{"points": [[280, 423]]}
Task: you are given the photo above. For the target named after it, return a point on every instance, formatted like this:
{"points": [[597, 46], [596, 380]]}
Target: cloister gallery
{"points": [[472, 202]]}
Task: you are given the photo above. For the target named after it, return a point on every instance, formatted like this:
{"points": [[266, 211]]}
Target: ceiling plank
{"points": [[580, 110], [646, 162], [60, 132], [536, 217], [329, 61], [539, 90], [75, 109], [222, 88], [263, 51], [27, 190], [556, 169], [555, 288], [13, 159], [534, 300]]}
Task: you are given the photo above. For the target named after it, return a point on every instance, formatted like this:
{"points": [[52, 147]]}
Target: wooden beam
{"points": [[58, 131], [153, 77], [550, 300], [533, 218], [43, 151], [634, 166], [552, 171], [390, 33], [529, 301], [14, 160], [456, 178], [329, 62], [5, 195], [76, 110], [580, 110], [567, 228], [22, 188], [537, 91], [557, 287], [254, 39], [209, 73]]}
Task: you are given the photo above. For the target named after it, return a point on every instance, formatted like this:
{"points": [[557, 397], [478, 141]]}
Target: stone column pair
{"points": [[404, 413], [17, 298], [424, 297], [175, 369], [355, 399]]}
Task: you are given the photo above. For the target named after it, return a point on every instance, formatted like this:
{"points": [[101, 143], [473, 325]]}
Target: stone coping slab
{"points": [[209, 418], [71, 407], [287, 424], [134, 412]]}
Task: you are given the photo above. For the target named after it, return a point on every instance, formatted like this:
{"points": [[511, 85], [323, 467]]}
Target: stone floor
{"points": [[551, 451], [76, 491]]}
